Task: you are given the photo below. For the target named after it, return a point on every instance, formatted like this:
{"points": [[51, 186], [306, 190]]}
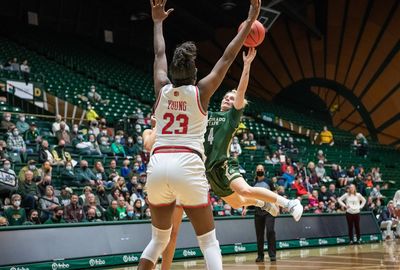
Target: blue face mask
{"points": [[130, 214]]}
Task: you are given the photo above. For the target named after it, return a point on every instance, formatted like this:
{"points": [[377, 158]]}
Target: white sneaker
{"points": [[295, 209], [271, 208]]}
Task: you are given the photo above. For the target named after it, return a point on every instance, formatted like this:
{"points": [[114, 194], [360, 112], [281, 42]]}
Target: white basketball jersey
{"points": [[180, 119]]}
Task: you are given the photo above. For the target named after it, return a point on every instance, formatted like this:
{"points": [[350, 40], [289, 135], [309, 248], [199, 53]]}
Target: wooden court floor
{"points": [[384, 255]]}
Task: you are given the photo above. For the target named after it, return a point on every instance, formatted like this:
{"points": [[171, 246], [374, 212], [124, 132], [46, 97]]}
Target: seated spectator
{"points": [[287, 178], [138, 209], [60, 155], [250, 143], [130, 214], [102, 196], [25, 71], [95, 97], [81, 145], [143, 178], [21, 125], [120, 184], [287, 167], [147, 213], [299, 187], [274, 159], [15, 214], [321, 156], [132, 149], [387, 219], [65, 196], [321, 208], [56, 125], [133, 181], [8, 179], [368, 181], [91, 216], [376, 193], [137, 194], [114, 194], [99, 172], [68, 175], [112, 172], [331, 208], [48, 203], [16, 145], [45, 153], [112, 213], [73, 212], [117, 147], [85, 176], [313, 199], [351, 173], [46, 170], [125, 170], [320, 171], [32, 135], [63, 134], [75, 132], [83, 198], [57, 216], [3, 151], [326, 137], [236, 150], [92, 202], [3, 221], [376, 175], [29, 191], [91, 114], [6, 122], [290, 146], [33, 218], [103, 124], [324, 195], [93, 128], [30, 167], [94, 148], [121, 208], [311, 173], [104, 142], [279, 144], [361, 145]]}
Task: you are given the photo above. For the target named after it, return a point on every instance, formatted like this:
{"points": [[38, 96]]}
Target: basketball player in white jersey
{"points": [[176, 167]]}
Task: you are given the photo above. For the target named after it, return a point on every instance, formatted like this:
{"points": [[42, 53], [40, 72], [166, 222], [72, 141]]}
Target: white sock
{"points": [[260, 203], [209, 246], [282, 201]]}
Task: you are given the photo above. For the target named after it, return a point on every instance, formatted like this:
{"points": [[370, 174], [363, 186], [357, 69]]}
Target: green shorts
{"points": [[221, 176]]}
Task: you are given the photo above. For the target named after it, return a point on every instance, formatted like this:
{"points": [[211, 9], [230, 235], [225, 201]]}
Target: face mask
{"points": [[69, 168], [58, 217], [17, 203], [7, 118], [16, 133], [75, 130], [117, 141], [93, 90], [139, 190], [84, 167], [7, 166], [260, 173], [103, 142], [61, 146], [136, 168], [148, 214], [35, 219], [130, 214], [90, 132], [32, 167], [227, 212], [139, 160], [22, 119], [91, 140], [130, 141], [139, 141], [104, 132]]}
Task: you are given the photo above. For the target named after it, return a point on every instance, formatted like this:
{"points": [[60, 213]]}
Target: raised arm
{"points": [[239, 102], [160, 60], [209, 84]]}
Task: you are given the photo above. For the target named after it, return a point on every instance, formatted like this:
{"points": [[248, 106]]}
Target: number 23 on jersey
{"points": [[183, 120]]}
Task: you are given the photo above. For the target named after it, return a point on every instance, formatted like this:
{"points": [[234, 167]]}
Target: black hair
{"points": [[183, 68]]}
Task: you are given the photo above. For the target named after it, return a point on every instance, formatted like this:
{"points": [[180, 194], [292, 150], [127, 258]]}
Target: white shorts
{"points": [[177, 175]]}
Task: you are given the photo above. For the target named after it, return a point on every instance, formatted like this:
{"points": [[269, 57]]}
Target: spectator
{"points": [[48, 203], [75, 132], [8, 179], [133, 149], [45, 154], [15, 65], [273, 160], [93, 128], [112, 172], [353, 202], [94, 97], [30, 167], [65, 196], [6, 122], [91, 114], [324, 195], [321, 156], [15, 214], [396, 199], [361, 145], [46, 170], [3, 221], [32, 135], [29, 192], [33, 218], [17, 146], [326, 137], [85, 176], [60, 155], [83, 199], [94, 148], [376, 175], [21, 125], [138, 209], [291, 147], [143, 178], [104, 143], [369, 182], [331, 208], [332, 193], [287, 178], [250, 143], [120, 184], [299, 186], [121, 209], [376, 193], [117, 147], [114, 194], [73, 212], [142, 165], [287, 167], [57, 216], [63, 134], [125, 170], [102, 196], [56, 125], [321, 208], [279, 144], [25, 71], [68, 175], [236, 150], [3, 151], [313, 199], [92, 202], [387, 219], [99, 172], [311, 173], [137, 193], [130, 214], [320, 171], [133, 181], [112, 213], [147, 213]]}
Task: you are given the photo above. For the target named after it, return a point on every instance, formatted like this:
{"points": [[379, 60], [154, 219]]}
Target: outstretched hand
{"points": [[249, 57], [158, 12], [254, 11]]}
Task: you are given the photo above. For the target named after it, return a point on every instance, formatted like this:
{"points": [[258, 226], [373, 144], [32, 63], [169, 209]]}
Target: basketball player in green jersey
{"points": [[222, 170]]}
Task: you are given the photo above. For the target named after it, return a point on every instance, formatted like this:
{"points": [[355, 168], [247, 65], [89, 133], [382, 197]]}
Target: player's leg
{"points": [[168, 254], [240, 186], [237, 201]]}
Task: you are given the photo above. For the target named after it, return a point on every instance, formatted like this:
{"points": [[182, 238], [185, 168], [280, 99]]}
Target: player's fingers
{"points": [[169, 11], [163, 2]]}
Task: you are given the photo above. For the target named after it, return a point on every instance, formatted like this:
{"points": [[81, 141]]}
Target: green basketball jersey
{"points": [[220, 130]]}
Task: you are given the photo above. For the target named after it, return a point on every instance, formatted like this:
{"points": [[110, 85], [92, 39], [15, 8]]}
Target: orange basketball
{"points": [[256, 35]]}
